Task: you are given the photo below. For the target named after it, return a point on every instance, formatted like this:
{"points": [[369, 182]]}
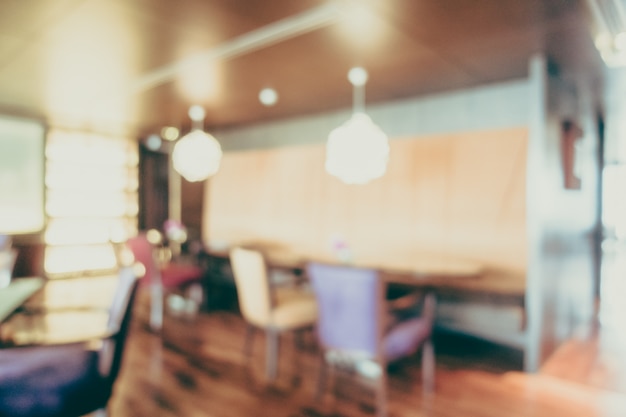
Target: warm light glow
{"points": [[268, 97], [91, 198], [612, 48], [75, 231], [170, 133], [21, 176], [200, 82], [61, 260], [86, 177], [88, 148], [95, 204], [86, 64], [361, 26], [620, 41], [154, 237], [358, 76], [357, 151], [196, 113], [197, 156]]}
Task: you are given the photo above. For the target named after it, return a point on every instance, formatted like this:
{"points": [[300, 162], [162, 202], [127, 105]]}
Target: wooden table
{"points": [[62, 310], [450, 277]]}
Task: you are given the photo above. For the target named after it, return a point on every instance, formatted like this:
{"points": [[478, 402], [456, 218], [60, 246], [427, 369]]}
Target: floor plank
{"points": [[196, 368]]}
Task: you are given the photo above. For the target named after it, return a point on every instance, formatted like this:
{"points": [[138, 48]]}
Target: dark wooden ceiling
{"points": [[79, 62]]}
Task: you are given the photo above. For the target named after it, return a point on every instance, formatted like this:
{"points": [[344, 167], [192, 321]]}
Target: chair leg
{"points": [[381, 392], [156, 306], [298, 345], [322, 378], [249, 341], [327, 382], [428, 366], [195, 294], [272, 354]]}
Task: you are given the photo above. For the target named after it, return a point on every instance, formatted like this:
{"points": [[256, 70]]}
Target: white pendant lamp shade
{"points": [[357, 151], [197, 156]]}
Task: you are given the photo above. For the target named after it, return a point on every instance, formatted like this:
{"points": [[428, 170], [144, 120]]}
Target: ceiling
{"points": [[118, 64]]}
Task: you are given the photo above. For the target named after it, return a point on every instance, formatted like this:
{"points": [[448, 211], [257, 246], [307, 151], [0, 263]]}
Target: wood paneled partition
{"points": [[458, 193]]}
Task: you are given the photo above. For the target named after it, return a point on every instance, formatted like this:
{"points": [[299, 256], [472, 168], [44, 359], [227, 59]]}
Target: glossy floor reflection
{"points": [[196, 368], [596, 356]]}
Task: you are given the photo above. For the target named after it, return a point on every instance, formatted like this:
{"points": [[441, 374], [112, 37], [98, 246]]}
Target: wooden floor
{"points": [[196, 368], [596, 355]]}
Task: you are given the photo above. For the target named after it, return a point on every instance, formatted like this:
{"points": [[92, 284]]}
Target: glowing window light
{"points": [[68, 204], [21, 176], [76, 231], [92, 182], [86, 149], [62, 260], [87, 177], [132, 206]]}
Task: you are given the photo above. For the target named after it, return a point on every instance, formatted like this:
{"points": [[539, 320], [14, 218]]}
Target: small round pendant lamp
{"points": [[197, 155]]}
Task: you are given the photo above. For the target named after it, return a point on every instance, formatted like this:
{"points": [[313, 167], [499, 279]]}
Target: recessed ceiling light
{"points": [[196, 113], [153, 142], [268, 97], [357, 76]]}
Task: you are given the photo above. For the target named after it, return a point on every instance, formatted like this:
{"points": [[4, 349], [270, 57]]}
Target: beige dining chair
{"points": [[272, 309]]}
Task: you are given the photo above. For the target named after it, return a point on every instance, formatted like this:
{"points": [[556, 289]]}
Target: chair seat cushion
{"points": [[405, 338], [293, 308], [50, 381], [175, 274]]}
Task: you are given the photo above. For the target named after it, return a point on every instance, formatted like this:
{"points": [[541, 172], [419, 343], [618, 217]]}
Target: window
{"points": [[91, 196]]}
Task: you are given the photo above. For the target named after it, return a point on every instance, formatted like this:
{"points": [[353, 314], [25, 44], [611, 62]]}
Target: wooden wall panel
{"points": [[462, 194]]}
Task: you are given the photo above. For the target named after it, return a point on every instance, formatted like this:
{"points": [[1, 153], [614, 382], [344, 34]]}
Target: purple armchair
{"points": [[67, 380], [353, 325]]}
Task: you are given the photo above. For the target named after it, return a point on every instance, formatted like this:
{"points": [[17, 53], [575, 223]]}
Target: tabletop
{"points": [[62, 310], [16, 293], [451, 276]]}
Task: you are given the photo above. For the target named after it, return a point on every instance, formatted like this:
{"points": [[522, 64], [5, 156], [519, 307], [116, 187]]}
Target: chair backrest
{"points": [[120, 314], [349, 307], [144, 253], [253, 292]]}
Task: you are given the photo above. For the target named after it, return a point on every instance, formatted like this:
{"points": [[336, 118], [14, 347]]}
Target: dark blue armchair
{"points": [[71, 379]]}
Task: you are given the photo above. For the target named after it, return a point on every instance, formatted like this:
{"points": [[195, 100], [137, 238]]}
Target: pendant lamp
{"points": [[197, 155], [357, 151]]}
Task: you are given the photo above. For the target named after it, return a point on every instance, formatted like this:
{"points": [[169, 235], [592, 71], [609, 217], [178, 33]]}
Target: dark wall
{"points": [[153, 189]]}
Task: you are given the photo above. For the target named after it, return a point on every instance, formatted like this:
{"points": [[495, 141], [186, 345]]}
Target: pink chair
{"points": [[166, 277]]}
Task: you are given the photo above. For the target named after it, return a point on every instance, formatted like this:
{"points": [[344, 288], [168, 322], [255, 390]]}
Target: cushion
{"points": [[405, 338], [293, 308], [50, 381], [175, 274]]}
